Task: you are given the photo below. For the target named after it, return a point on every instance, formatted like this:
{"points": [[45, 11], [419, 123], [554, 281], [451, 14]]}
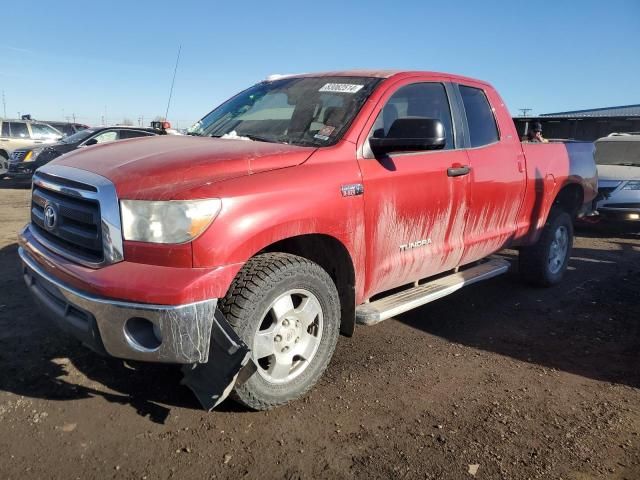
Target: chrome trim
{"points": [[106, 195], [185, 329]]}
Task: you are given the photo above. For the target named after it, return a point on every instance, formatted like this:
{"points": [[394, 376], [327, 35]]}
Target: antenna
{"points": [[175, 70]]}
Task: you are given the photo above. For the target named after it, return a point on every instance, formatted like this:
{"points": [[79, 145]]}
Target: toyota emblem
{"points": [[50, 217]]}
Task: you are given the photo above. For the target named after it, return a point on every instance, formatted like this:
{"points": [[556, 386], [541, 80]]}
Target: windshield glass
{"points": [[621, 151], [41, 131], [78, 136], [313, 111]]}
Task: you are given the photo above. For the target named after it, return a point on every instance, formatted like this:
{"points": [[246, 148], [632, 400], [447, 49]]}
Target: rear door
{"points": [[497, 180], [414, 211]]}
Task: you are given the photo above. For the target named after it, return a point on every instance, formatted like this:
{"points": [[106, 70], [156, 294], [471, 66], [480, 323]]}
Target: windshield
{"points": [[620, 151], [41, 131], [78, 136], [313, 111]]}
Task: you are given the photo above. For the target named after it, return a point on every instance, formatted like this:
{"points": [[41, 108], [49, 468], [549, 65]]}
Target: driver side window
{"points": [[421, 100]]}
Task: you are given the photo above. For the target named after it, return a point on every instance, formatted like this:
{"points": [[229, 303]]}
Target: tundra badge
{"points": [[418, 243]]}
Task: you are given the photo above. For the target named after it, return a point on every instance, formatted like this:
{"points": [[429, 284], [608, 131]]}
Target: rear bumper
{"points": [[157, 333]]}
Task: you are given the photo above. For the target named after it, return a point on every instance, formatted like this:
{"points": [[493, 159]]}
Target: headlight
{"points": [[633, 185], [175, 221], [31, 155]]}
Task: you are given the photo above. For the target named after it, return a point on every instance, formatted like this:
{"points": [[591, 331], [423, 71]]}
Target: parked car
{"points": [[293, 210], [15, 134], [618, 160], [23, 162], [67, 128]]}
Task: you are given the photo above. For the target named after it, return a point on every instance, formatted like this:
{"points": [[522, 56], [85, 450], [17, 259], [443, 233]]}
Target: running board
{"points": [[387, 307]]}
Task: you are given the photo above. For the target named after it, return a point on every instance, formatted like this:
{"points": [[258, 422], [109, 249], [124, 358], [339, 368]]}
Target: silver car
{"points": [[15, 134], [618, 159]]}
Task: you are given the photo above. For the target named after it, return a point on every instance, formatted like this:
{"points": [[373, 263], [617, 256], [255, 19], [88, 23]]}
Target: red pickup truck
{"points": [[298, 208]]}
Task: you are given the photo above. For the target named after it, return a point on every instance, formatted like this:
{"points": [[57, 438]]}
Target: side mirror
{"points": [[409, 135], [92, 141]]}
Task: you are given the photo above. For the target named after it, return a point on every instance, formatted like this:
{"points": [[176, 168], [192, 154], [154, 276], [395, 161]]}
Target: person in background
{"points": [[534, 134]]}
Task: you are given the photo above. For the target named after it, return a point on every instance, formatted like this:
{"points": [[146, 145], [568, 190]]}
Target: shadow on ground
{"points": [[14, 184], [587, 326], [39, 361]]}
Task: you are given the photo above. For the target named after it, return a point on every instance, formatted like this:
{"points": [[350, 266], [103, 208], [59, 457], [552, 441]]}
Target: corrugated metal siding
{"points": [[621, 111]]}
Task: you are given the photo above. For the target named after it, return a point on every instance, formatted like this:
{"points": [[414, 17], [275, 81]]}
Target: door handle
{"points": [[38, 141], [458, 171]]}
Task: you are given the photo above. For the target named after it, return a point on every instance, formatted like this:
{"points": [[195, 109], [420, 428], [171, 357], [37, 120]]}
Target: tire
{"points": [[545, 263], [258, 306], [4, 163]]}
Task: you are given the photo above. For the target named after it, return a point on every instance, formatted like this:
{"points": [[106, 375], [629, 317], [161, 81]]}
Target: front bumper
{"points": [[620, 214], [20, 169], [134, 331]]}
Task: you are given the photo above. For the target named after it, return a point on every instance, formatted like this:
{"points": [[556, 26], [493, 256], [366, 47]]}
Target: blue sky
{"points": [[116, 59]]}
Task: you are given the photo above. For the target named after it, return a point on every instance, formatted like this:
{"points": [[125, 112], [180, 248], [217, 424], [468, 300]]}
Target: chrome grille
{"points": [[75, 213], [18, 155], [77, 224]]}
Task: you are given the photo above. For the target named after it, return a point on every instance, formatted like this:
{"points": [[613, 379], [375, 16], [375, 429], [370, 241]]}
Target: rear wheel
{"points": [[287, 310], [545, 263]]}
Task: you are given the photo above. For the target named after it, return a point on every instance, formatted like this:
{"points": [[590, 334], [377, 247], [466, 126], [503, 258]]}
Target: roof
{"points": [[620, 111], [378, 74], [620, 138]]}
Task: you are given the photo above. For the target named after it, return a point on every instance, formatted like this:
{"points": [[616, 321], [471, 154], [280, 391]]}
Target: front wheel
{"points": [[545, 263], [287, 310]]}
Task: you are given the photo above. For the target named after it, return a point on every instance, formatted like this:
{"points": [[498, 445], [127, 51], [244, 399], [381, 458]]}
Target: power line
{"points": [[175, 70]]}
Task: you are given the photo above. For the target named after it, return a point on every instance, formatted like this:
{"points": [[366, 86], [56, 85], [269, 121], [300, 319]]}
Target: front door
{"points": [[415, 212]]}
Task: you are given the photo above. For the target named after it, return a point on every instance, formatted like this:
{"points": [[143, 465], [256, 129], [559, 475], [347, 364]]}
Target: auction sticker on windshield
{"points": [[340, 88]]}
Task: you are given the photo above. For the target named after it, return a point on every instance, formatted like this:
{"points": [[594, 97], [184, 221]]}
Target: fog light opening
{"points": [[142, 334]]}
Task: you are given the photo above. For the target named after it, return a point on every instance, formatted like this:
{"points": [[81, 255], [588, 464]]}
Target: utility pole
{"points": [[524, 111], [73, 115], [4, 105]]}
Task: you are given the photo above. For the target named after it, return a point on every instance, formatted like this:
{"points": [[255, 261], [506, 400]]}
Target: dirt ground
{"points": [[499, 380]]}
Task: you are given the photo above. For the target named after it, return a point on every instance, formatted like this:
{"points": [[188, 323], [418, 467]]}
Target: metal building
{"points": [[585, 124]]}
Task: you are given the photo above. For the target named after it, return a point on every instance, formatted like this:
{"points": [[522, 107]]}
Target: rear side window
{"points": [[482, 124], [19, 130], [5, 129], [133, 134]]}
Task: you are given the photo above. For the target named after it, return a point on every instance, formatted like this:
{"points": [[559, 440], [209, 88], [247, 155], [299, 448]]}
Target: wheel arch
{"points": [[333, 256], [570, 198]]}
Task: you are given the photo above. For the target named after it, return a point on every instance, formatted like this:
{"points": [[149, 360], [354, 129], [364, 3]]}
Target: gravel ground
{"points": [[499, 380]]}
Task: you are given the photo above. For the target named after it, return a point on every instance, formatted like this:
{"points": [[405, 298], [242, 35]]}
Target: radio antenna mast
{"points": [[175, 70]]}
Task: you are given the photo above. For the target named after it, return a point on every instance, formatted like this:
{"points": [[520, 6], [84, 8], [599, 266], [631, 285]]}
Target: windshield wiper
{"points": [[194, 134], [259, 138]]}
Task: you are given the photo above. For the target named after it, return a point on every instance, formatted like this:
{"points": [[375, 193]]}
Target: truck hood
{"points": [[160, 168], [618, 172]]}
